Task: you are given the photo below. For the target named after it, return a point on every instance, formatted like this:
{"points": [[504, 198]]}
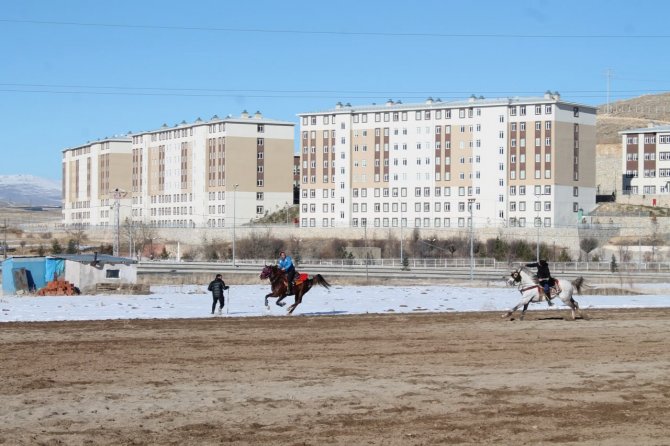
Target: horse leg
{"points": [[298, 300], [524, 302], [575, 308], [523, 312], [511, 311], [279, 301], [267, 304]]}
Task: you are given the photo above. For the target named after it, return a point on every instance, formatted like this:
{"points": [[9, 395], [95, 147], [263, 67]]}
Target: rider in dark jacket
{"points": [[543, 277]]}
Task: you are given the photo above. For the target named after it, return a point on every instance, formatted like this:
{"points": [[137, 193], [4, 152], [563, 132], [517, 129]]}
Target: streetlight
{"points": [[538, 222], [234, 211], [471, 202], [401, 253]]}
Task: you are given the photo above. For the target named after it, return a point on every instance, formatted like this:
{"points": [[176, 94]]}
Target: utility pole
{"points": [[471, 202], [608, 76], [118, 194], [234, 219], [4, 242], [367, 252], [401, 253]]}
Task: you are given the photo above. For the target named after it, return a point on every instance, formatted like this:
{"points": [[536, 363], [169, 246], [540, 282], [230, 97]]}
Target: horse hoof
{"points": [[281, 304]]}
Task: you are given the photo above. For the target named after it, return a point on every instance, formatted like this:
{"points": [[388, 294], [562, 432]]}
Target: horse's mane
{"points": [[530, 272]]}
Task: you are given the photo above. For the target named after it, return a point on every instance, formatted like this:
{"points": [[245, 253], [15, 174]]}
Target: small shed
{"points": [[85, 271]]}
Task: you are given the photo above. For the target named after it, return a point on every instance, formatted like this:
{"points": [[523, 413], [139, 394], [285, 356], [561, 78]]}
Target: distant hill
{"points": [[29, 190], [631, 113]]}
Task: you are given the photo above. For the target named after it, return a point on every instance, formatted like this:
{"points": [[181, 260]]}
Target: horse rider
{"points": [[285, 263], [543, 277]]}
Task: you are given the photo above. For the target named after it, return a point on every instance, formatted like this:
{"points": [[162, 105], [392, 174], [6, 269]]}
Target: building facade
{"points": [[211, 173], [511, 161], [646, 161], [95, 182]]}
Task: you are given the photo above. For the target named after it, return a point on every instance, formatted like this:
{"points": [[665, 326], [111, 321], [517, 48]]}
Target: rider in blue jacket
{"points": [[285, 263]]}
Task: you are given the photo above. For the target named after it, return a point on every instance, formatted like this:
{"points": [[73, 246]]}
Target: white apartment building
{"points": [[95, 178], [646, 161], [510, 161], [207, 173]]}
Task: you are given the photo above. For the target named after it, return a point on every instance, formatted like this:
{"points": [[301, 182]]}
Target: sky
{"points": [[74, 71], [193, 301]]}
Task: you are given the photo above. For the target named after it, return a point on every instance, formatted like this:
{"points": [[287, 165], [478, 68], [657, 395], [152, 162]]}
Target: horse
{"points": [[531, 291], [279, 284]]}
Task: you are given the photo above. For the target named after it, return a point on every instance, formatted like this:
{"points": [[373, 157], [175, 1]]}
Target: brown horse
{"points": [[279, 284]]}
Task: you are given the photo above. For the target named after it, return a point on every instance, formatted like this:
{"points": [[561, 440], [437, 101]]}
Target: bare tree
{"points": [[655, 238], [78, 236], [588, 244], [138, 235]]}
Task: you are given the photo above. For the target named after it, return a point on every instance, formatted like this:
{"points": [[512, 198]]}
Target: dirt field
{"points": [[424, 379]]}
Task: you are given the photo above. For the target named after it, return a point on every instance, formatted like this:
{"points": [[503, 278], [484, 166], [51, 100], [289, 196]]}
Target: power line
{"points": [[597, 94], [339, 33], [256, 90]]}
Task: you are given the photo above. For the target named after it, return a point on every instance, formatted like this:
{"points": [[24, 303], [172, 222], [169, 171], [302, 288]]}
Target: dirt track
{"points": [[424, 379]]}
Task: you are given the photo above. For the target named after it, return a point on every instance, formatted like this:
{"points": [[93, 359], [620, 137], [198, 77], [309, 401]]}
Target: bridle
{"points": [[516, 275]]}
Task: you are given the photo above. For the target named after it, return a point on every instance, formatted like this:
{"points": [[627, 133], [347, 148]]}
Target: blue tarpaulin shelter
{"points": [[14, 269], [55, 268]]}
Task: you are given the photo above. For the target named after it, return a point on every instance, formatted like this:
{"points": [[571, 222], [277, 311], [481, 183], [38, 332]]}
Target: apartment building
{"points": [[500, 162], [211, 173], [95, 179], [646, 161]]}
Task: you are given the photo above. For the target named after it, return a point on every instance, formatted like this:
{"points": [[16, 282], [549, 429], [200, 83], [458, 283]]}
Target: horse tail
{"points": [[578, 283], [319, 280]]}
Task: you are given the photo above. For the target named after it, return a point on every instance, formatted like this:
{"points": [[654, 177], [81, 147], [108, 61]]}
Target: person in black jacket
{"points": [[217, 286], [543, 277]]}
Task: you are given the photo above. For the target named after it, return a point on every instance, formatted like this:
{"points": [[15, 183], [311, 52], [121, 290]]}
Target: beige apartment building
{"points": [[211, 173], [496, 162], [646, 163], [96, 178]]}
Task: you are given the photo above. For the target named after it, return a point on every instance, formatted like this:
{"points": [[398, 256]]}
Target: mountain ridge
{"points": [[29, 190]]}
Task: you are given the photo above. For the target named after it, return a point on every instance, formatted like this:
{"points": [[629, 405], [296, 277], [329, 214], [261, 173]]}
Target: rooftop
{"points": [[648, 129], [430, 103]]}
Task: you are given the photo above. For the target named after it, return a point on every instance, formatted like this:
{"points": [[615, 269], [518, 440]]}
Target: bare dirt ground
{"points": [[419, 379]]}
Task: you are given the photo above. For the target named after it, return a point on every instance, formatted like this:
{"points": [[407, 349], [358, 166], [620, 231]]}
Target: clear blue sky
{"points": [[79, 70]]}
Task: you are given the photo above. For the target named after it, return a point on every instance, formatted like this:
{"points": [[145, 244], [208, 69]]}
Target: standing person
{"points": [[543, 277], [217, 286], [285, 263]]}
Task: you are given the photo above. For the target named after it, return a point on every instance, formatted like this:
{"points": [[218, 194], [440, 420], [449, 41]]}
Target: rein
{"points": [[523, 290]]}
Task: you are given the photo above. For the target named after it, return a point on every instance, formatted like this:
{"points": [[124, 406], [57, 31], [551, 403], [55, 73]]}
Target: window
{"points": [[112, 273]]}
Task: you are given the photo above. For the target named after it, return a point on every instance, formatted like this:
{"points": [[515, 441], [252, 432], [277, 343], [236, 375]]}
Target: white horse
{"points": [[531, 291]]}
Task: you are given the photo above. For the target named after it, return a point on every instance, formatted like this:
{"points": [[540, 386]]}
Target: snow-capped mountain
{"points": [[29, 190]]}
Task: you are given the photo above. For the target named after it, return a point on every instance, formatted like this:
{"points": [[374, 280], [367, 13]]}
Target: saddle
{"points": [[554, 287], [300, 278]]}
